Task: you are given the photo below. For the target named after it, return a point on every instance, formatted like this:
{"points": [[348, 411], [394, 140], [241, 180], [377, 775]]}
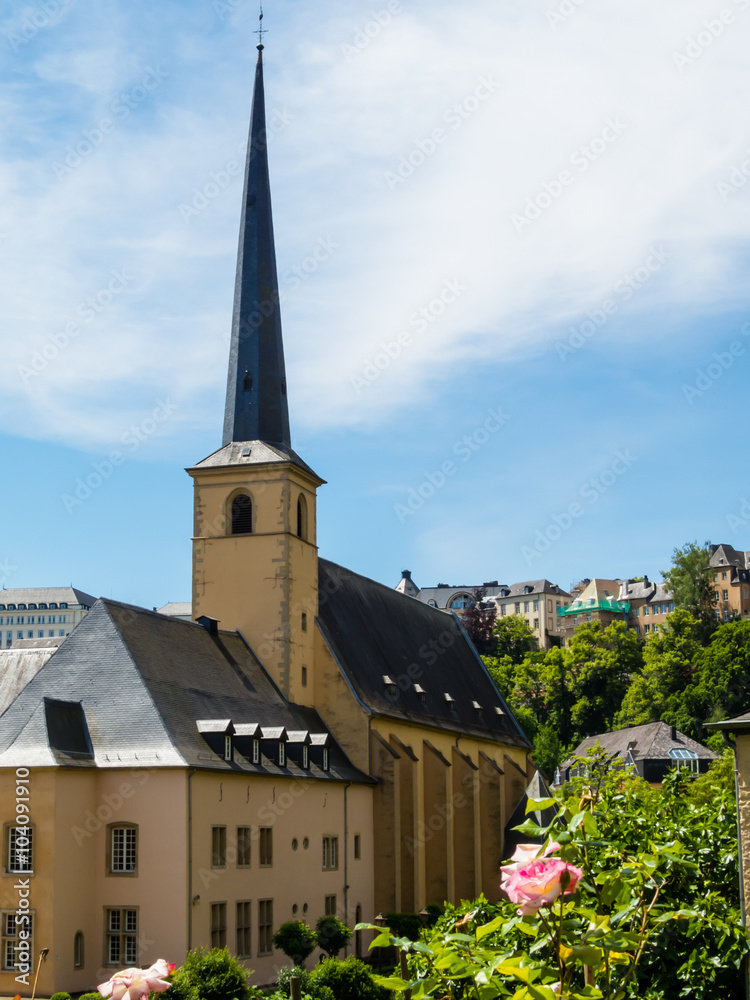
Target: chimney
{"points": [[646, 582], [406, 574], [673, 734]]}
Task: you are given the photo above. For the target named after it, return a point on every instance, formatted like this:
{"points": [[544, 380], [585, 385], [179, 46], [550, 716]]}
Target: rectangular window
{"points": [[357, 847], [549, 605], [305, 756], [265, 847], [646, 628], [12, 926], [227, 748], [646, 612], [243, 944], [218, 925], [518, 608], [20, 849], [330, 853], [121, 937], [503, 610], [124, 849], [330, 906], [725, 595], [244, 840], [723, 576], [656, 628], [218, 847], [256, 751], [282, 754], [265, 926], [304, 621], [536, 605], [726, 614], [637, 612], [536, 624], [526, 607]]}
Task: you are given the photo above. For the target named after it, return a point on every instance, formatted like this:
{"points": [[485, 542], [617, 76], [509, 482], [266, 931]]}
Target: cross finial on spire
{"points": [[261, 30]]}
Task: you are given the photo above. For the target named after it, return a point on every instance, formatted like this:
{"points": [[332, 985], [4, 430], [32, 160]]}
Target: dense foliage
{"points": [[332, 935], [333, 980], [694, 670], [655, 916], [210, 974], [296, 940]]}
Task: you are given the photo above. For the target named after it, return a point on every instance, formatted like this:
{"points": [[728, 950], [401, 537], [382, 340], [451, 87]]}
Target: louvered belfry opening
{"points": [[242, 515]]}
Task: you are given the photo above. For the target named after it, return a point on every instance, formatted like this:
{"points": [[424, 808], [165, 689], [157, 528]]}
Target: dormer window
{"points": [[228, 748], [282, 754], [325, 759], [420, 692], [478, 709], [42, 607], [32, 607], [390, 686], [21, 607], [52, 607], [256, 751], [305, 756], [12, 607], [449, 700]]}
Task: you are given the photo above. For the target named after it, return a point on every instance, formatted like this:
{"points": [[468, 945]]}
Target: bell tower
{"points": [[255, 556]]}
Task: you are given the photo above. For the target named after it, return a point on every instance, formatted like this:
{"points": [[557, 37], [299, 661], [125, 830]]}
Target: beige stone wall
{"points": [[261, 583], [743, 793]]}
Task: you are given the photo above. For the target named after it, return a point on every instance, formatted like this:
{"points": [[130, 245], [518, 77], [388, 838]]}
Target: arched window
{"points": [[78, 951], [301, 517], [242, 514], [460, 602]]}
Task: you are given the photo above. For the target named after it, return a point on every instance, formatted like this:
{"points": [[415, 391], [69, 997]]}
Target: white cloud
{"points": [[351, 121]]}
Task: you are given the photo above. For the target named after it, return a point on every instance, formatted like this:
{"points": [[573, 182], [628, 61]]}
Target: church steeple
{"points": [[256, 406]]}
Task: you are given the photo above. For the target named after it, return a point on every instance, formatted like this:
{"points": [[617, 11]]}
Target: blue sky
{"points": [[512, 241]]}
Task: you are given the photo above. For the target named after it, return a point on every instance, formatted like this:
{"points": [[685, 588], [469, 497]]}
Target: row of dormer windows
{"points": [[35, 607]]}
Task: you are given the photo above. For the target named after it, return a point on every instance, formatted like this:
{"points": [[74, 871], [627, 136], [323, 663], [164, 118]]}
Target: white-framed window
{"points": [[227, 748], [124, 850], [526, 607], [20, 850], [536, 605], [305, 756], [325, 758], [256, 751], [13, 927], [684, 759], [121, 944], [330, 853], [282, 754]]}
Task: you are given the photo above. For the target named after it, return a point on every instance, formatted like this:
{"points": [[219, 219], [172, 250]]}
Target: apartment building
{"points": [[41, 613]]}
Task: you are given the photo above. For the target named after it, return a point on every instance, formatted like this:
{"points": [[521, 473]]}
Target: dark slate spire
{"points": [[256, 408]]}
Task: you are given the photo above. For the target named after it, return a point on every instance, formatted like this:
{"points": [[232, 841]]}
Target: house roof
{"points": [[647, 590], [237, 453], [145, 681], [737, 724], [650, 742], [19, 664], [374, 632], [723, 556], [178, 609], [46, 595]]}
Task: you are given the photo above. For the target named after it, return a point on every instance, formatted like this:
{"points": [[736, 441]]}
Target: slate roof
{"points": [[144, 681], [375, 632], [645, 590], [46, 595], [535, 587], [19, 664], [736, 724], [652, 742], [177, 609], [723, 556], [258, 453]]}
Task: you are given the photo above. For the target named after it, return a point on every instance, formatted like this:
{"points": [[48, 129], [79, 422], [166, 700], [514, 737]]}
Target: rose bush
{"points": [[133, 984]]}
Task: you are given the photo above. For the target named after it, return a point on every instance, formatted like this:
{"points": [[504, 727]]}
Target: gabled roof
{"points": [[238, 453], [46, 595], [723, 556], [19, 664], [650, 742], [145, 681], [375, 632]]}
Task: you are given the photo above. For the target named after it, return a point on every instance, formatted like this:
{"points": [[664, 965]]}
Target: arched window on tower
{"points": [[301, 517], [242, 514]]}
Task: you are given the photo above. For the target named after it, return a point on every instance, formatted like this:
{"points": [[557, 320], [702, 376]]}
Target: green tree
{"points": [[690, 580], [603, 663], [296, 940], [722, 687], [210, 974], [332, 934], [514, 637]]}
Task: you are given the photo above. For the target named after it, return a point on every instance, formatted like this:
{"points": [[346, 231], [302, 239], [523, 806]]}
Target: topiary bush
{"points": [[296, 940], [332, 935], [348, 980], [210, 974], [310, 990], [64, 996], [87, 996]]}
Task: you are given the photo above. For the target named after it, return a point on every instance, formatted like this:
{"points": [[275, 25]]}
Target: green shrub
{"points": [[311, 990], [332, 935], [87, 996], [63, 996], [296, 940], [210, 974], [406, 925], [348, 980]]}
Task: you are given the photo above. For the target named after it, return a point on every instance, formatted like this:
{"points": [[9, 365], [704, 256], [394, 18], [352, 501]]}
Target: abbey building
{"points": [[311, 742]]}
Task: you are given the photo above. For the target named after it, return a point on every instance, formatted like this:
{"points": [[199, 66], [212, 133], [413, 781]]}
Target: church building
{"points": [[311, 742]]}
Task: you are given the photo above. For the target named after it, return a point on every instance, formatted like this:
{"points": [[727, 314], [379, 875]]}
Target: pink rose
{"points": [[535, 881], [133, 984]]}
